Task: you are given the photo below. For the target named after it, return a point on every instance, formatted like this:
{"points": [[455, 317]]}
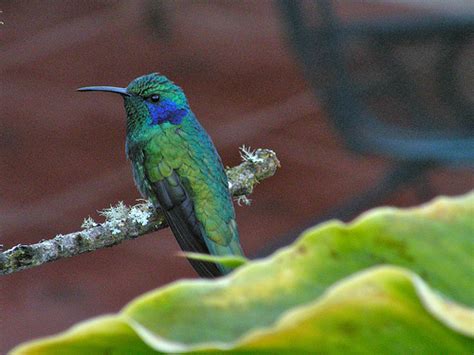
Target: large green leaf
{"points": [[313, 296], [103, 335], [378, 311]]}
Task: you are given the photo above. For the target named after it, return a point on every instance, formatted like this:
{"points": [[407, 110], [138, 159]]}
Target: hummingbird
{"points": [[176, 166]]}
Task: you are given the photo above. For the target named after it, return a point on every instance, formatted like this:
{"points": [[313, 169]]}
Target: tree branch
{"points": [[124, 223]]}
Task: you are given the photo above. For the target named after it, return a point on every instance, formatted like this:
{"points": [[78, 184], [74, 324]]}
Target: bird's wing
{"points": [[164, 188], [185, 177], [179, 212]]}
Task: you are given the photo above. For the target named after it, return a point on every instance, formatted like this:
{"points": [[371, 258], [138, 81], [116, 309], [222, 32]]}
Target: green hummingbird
{"points": [[177, 167]]}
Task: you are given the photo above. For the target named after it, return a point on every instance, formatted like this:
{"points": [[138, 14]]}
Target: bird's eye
{"points": [[154, 98]]}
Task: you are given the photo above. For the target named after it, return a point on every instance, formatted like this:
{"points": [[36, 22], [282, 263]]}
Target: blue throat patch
{"points": [[166, 111]]}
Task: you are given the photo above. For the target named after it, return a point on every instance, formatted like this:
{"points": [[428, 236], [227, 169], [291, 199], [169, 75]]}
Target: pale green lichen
{"points": [[243, 200], [115, 217], [247, 154], [88, 223], [241, 180], [119, 212], [141, 213]]}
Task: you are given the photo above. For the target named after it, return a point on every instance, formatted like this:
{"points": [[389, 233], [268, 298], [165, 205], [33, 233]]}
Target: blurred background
{"points": [[366, 103]]}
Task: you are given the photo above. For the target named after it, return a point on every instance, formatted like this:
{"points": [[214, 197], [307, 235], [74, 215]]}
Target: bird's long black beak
{"points": [[114, 89]]}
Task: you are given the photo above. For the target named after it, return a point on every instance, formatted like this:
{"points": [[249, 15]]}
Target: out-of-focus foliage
{"points": [[392, 282]]}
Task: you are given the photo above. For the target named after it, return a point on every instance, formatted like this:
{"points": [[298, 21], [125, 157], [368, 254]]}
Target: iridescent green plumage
{"points": [[176, 165]]}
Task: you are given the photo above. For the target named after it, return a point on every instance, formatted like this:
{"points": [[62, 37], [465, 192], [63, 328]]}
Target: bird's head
{"points": [[150, 100]]}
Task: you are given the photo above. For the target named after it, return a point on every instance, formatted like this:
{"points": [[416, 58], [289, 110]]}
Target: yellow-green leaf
{"points": [[103, 335], [232, 261], [393, 281]]}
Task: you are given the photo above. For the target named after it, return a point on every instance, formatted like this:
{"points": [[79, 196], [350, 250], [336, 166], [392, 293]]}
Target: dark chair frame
{"points": [[414, 151]]}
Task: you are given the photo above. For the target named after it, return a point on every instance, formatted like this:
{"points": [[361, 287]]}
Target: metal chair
{"points": [[417, 135]]}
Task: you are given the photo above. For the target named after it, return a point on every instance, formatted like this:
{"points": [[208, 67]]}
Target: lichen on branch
{"points": [[123, 222]]}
